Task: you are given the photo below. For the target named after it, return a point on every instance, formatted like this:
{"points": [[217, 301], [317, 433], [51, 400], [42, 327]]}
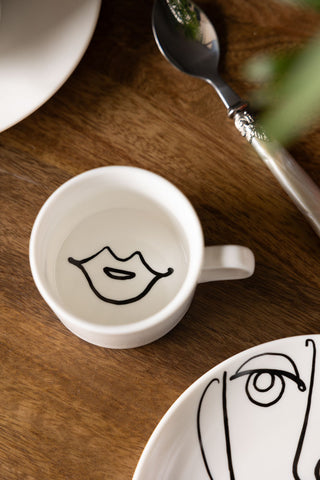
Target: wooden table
{"points": [[70, 410]]}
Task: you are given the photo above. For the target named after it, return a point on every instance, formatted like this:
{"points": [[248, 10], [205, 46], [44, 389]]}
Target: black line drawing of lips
{"points": [[116, 285]]}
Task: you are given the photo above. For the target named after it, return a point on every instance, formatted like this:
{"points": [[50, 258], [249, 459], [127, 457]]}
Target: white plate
{"points": [[254, 416], [41, 43]]}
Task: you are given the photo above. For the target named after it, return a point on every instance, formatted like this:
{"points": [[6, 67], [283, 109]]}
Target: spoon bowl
{"points": [[190, 28], [188, 40]]}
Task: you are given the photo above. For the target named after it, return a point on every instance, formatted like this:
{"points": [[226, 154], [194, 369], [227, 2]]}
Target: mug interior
{"points": [[116, 246]]}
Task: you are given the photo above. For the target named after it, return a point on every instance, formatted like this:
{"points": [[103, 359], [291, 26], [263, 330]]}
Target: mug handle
{"points": [[226, 262]]}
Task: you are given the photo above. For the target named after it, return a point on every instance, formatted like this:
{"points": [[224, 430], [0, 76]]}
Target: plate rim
{"points": [[194, 386], [39, 102]]}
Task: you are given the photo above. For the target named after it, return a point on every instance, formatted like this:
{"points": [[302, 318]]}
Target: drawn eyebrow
{"points": [[294, 376]]}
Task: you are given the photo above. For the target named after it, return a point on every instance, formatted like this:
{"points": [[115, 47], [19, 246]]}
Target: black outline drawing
{"points": [[117, 274], [257, 372], [198, 426], [253, 374], [306, 418]]}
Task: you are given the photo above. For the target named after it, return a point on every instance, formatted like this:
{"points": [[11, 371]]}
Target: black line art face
{"points": [[261, 420], [118, 280]]}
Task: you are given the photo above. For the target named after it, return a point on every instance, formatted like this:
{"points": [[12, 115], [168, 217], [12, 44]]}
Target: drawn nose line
{"points": [[306, 418]]}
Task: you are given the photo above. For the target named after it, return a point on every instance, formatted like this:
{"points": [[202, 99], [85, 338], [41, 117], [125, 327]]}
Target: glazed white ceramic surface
{"points": [[117, 252], [41, 43], [254, 416]]}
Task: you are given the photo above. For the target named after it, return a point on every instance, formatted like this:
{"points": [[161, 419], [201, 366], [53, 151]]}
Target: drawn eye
{"points": [[266, 385], [265, 388]]}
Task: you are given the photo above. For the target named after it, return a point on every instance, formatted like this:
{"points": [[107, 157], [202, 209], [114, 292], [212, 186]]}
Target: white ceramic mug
{"points": [[117, 252]]}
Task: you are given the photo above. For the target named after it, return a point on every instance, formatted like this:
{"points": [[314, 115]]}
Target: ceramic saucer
{"points": [[256, 415], [41, 43]]}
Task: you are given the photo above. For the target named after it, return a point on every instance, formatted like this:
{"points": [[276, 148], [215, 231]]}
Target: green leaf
{"points": [[315, 4], [298, 94]]}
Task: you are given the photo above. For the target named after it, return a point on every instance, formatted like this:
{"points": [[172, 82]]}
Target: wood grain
{"points": [[70, 410]]}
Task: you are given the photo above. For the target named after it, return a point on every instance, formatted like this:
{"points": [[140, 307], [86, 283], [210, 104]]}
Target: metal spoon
{"points": [[188, 40]]}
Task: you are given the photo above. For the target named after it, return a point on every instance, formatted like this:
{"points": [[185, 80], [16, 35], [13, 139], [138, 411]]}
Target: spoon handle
{"points": [[294, 180]]}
